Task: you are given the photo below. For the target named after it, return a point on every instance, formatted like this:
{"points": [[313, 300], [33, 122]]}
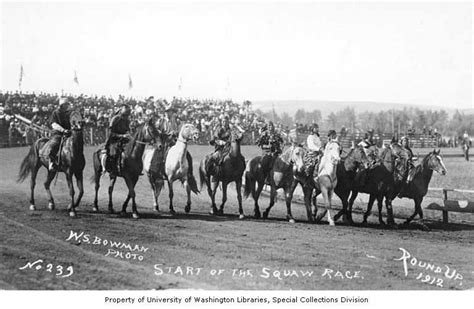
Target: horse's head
{"points": [[296, 158], [359, 157], [150, 134], [76, 121], [333, 152], [188, 132], [434, 161], [237, 135]]}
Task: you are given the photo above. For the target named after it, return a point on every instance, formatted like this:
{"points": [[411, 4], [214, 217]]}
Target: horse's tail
{"points": [[248, 184], [191, 180], [193, 184], [28, 163]]}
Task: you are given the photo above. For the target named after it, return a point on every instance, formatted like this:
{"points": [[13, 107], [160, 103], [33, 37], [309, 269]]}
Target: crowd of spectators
{"points": [[98, 110]]}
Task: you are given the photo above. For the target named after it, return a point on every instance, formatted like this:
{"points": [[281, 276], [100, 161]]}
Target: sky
{"points": [[402, 52]]}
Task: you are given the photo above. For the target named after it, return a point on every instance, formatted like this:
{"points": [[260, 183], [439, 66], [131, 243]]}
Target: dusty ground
{"points": [[224, 252]]}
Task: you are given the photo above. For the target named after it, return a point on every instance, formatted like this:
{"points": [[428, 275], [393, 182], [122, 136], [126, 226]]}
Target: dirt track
{"points": [[249, 253]]}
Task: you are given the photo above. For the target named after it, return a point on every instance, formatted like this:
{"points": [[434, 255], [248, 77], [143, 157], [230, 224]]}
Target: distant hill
{"points": [[326, 107]]}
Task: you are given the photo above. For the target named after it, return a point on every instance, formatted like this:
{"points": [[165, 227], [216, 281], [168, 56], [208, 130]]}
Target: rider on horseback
{"points": [[314, 150], [405, 143], [61, 127], [369, 145], [221, 142], [270, 141], [118, 136]]}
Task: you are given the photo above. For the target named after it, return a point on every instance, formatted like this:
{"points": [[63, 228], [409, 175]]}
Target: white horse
{"points": [[327, 178], [178, 167]]}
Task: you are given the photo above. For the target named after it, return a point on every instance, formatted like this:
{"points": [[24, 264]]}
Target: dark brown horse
{"points": [[281, 176], [131, 165], [418, 187], [384, 180], [71, 163], [232, 169]]}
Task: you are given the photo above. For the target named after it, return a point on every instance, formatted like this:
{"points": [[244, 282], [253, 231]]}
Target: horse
{"points": [[281, 176], [232, 170], [418, 187], [179, 167], [71, 163], [326, 179], [385, 181], [131, 165], [154, 166], [345, 172]]}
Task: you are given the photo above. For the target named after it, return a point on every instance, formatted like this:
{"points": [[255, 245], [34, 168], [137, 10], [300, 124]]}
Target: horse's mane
{"points": [[136, 136]]}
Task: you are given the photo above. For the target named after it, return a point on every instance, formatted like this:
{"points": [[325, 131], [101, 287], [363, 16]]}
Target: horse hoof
{"points": [[332, 223], [265, 215], [382, 223], [187, 209], [51, 206], [123, 213], [257, 216], [95, 209], [291, 220], [111, 211], [135, 215], [32, 207], [172, 212], [241, 217], [72, 214]]}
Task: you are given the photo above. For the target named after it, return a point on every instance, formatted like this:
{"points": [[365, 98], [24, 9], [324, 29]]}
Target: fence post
{"points": [[445, 213]]}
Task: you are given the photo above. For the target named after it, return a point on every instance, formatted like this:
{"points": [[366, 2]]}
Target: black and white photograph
{"points": [[197, 147]]}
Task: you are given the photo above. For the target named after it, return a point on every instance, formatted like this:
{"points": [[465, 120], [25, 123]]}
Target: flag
{"points": [[21, 76], [76, 80], [130, 83]]}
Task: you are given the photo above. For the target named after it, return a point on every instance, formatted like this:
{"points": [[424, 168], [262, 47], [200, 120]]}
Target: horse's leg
{"points": [[369, 208], [213, 185], [70, 185], [111, 190], [157, 191], [153, 189], [80, 187], [273, 192], [238, 188], [256, 195], [350, 204], [187, 208], [288, 198], [388, 205], [171, 194], [34, 173], [131, 190], [307, 191], [224, 197], [324, 192], [346, 214], [97, 175], [417, 210], [329, 203], [47, 184], [379, 205], [314, 204]]}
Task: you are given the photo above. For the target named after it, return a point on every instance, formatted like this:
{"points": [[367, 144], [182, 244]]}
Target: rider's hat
{"points": [[332, 133], [314, 126], [403, 137]]}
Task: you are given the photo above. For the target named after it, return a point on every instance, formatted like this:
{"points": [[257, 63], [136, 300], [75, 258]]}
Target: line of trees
{"points": [[404, 120]]}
